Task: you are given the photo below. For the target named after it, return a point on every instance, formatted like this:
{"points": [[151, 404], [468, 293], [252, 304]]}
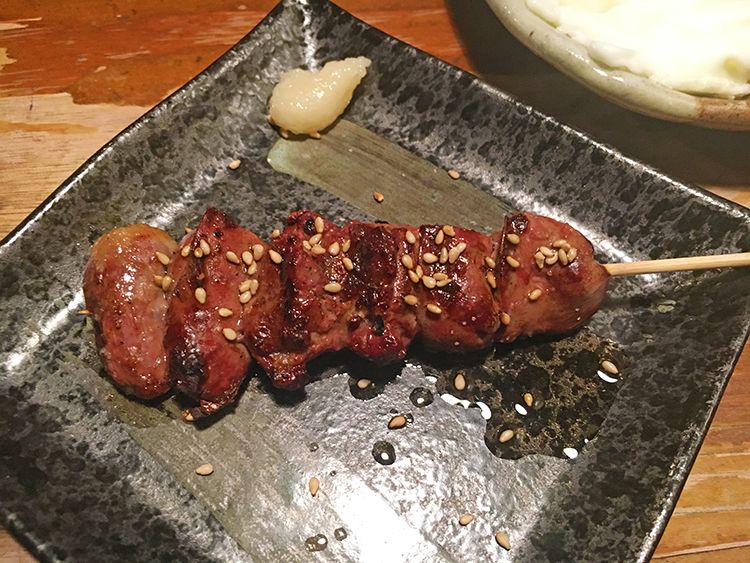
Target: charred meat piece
{"points": [[457, 310], [207, 359], [314, 307], [549, 280], [383, 323], [122, 287]]}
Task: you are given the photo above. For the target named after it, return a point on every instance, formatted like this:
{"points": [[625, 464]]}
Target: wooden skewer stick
{"points": [[678, 264]]}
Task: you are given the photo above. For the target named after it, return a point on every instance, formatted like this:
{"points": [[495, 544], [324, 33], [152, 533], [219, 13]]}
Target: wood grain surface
{"points": [[73, 74]]}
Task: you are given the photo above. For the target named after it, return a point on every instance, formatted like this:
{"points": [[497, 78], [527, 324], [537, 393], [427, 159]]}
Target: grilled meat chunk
{"points": [[549, 279], [129, 307], [207, 359]]}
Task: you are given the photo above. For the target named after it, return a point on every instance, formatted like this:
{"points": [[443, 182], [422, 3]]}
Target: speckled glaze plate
{"points": [[88, 475]]}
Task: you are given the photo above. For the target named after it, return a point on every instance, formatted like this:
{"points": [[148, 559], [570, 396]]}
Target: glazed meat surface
{"points": [[129, 307]]}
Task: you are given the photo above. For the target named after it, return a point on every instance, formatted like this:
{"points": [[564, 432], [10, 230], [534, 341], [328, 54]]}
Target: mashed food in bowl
{"points": [[696, 46]]}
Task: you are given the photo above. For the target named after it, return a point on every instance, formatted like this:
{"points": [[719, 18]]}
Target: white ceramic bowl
{"points": [[621, 87]]}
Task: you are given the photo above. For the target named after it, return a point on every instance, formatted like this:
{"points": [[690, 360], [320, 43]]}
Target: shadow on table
{"points": [[693, 154]]}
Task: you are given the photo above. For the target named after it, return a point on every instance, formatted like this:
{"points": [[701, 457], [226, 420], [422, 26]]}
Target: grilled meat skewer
{"points": [[229, 298]]}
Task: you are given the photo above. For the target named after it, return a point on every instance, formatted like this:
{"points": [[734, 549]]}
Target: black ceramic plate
{"points": [[88, 475]]}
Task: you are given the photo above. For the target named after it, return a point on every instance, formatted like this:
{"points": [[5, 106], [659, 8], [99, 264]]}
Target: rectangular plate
{"points": [[90, 475]]}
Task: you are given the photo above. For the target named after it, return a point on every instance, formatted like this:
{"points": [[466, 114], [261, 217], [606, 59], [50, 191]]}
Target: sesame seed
{"points": [[559, 243], [314, 486], [377, 196], [539, 259], [512, 262], [572, 253], [440, 276], [252, 269], [506, 435], [205, 247], [442, 283], [166, 283], [439, 237], [490, 262], [188, 230], [284, 133], [276, 233], [563, 257], [254, 284], [317, 250], [455, 252], [315, 239], [429, 258], [334, 249], [332, 287], [348, 264], [258, 251], [443, 255], [502, 539], [505, 318], [363, 383], [224, 312], [428, 281], [407, 261], [319, 225], [454, 174], [232, 257], [459, 382], [244, 286], [535, 294], [185, 251], [465, 519], [275, 256], [315, 135], [247, 257], [491, 280], [609, 367], [200, 295], [413, 276], [547, 251], [410, 300], [513, 238], [398, 421], [449, 230], [432, 308], [229, 334], [410, 238], [234, 165], [245, 297], [205, 469], [158, 280], [198, 252], [552, 259], [306, 245], [187, 416], [163, 258], [528, 398]]}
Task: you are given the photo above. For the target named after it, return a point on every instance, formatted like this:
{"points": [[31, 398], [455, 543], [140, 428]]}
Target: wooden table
{"points": [[73, 74]]}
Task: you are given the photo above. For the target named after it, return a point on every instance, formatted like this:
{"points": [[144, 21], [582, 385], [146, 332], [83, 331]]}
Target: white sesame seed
{"points": [[315, 239], [377, 196], [252, 269], [512, 262], [275, 256], [459, 382], [234, 165], [332, 287], [491, 280], [407, 261], [439, 237], [428, 281], [204, 470], [552, 260], [317, 250], [443, 255], [244, 286], [319, 225], [247, 257], [410, 300], [313, 486], [398, 421], [610, 367], [276, 233], [363, 383], [502, 539], [413, 276], [454, 174], [410, 238], [348, 264], [506, 435], [419, 270], [449, 230], [258, 251], [432, 308], [442, 283], [229, 334], [254, 284], [440, 276], [505, 318], [334, 249], [528, 398], [563, 257], [232, 257], [306, 245], [166, 283], [245, 297], [200, 295], [163, 258], [429, 258], [535, 294], [559, 243], [572, 253], [188, 230], [547, 251], [224, 312], [185, 251], [205, 247], [158, 280], [466, 519], [198, 252], [539, 259], [455, 252], [490, 262], [346, 245], [513, 238]]}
